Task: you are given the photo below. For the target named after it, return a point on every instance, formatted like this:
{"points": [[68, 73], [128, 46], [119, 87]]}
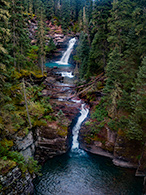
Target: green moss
{"points": [[50, 118], [40, 123], [6, 143], [88, 140], [87, 123], [36, 109], [16, 75], [62, 131], [33, 166], [6, 165], [38, 74], [100, 113]]}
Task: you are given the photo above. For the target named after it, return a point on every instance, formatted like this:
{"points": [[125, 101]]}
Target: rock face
{"points": [[102, 144], [110, 144], [55, 137], [16, 183], [113, 144], [26, 145], [53, 32], [50, 142], [45, 141]]}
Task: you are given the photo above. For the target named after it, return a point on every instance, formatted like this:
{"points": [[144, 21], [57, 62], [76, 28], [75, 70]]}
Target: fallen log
{"points": [[90, 85]]}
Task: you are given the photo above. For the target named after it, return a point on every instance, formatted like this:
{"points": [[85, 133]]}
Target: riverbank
{"points": [[55, 138], [98, 138]]}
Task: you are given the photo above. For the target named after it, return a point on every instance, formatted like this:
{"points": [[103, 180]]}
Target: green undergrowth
{"points": [[99, 121], [14, 117], [62, 130], [10, 159]]}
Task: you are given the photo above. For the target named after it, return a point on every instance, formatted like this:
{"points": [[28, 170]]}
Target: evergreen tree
{"points": [[19, 35], [65, 14], [41, 40], [137, 119], [115, 80], [49, 6], [4, 39], [4, 30], [99, 34], [37, 4], [82, 53]]}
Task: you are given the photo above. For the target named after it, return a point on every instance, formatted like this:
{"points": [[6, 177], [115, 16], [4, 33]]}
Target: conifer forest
{"points": [[105, 44]]}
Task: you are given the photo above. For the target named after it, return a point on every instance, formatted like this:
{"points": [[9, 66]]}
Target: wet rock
{"points": [[16, 183], [54, 138], [50, 80], [125, 164], [50, 142]]}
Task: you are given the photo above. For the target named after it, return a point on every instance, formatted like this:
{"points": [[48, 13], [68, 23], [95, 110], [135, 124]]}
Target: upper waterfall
{"points": [[66, 55]]}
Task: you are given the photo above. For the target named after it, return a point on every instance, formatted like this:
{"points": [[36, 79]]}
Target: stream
{"points": [[78, 172]]}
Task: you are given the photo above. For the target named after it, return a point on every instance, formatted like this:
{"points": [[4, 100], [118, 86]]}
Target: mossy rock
{"points": [[16, 75], [62, 131], [40, 123], [38, 75], [6, 166], [36, 109], [6, 143]]}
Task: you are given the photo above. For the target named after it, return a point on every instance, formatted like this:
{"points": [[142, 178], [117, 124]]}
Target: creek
{"points": [[78, 172]]}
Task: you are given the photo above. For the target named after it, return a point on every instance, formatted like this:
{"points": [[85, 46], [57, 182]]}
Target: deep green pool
{"points": [[80, 173], [52, 64]]}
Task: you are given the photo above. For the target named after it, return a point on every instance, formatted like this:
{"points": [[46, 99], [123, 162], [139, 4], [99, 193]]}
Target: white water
{"points": [[66, 55], [84, 112], [67, 74]]}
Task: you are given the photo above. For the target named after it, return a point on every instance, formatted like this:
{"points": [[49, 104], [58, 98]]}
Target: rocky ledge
{"points": [[16, 182], [113, 144], [55, 137]]}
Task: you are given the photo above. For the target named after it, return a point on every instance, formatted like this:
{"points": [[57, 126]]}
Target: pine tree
{"points": [[99, 34], [37, 4], [4, 39], [19, 35], [49, 6], [41, 40], [82, 53], [65, 14], [137, 119], [120, 22], [4, 30]]}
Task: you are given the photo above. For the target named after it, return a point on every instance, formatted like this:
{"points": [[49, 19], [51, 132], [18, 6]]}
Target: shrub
{"points": [[33, 166]]}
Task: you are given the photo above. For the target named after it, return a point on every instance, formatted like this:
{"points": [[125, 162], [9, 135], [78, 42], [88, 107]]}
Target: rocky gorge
{"points": [[54, 138], [104, 141], [48, 139]]}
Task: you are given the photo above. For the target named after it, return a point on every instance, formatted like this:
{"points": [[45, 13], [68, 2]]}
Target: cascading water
{"points": [[66, 55], [75, 131], [80, 173], [67, 74]]}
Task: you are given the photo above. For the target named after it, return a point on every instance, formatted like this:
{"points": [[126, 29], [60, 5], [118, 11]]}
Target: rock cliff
{"points": [[55, 137], [113, 144]]}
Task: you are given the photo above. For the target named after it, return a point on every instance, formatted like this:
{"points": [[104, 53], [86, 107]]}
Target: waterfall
{"points": [[67, 74], [84, 112], [66, 55]]}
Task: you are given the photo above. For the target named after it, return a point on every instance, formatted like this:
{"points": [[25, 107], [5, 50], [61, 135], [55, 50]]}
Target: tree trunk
{"points": [[26, 103]]}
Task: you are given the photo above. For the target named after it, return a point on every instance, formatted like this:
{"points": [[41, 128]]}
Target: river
{"points": [[80, 173]]}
